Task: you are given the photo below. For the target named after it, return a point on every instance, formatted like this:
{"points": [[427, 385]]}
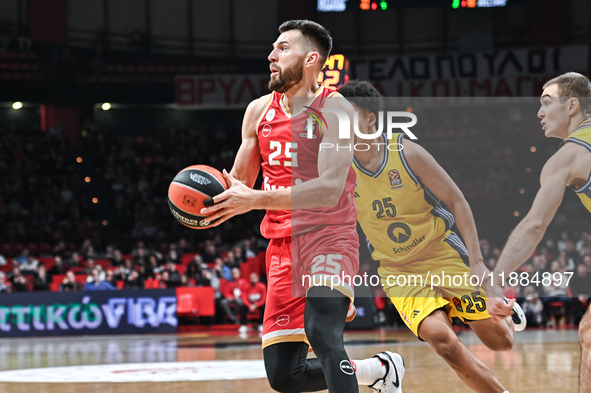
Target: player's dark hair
{"points": [[317, 34], [363, 94], [573, 84]]}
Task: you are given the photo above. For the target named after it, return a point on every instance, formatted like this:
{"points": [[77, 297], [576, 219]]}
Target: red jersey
{"points": [[233, 289], [254, 294], [289, 157]]}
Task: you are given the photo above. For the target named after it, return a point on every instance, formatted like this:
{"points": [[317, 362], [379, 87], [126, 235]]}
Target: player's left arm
{"points": [[434, 177]]}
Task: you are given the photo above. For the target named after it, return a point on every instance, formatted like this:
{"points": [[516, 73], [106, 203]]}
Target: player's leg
{"points": [[585, 369], [436, 329], [289, 370], [496, 336], [324, 319]]}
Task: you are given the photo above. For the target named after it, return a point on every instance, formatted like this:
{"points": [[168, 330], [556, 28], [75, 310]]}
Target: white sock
{"points": [[369, 370]]}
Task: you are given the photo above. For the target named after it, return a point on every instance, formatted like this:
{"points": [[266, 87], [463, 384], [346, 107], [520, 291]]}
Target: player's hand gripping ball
{"points": [[189, 188]]}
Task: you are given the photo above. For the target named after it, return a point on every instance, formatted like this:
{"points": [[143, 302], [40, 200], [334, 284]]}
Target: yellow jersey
{"points": [[400, 217], [582, 136]]}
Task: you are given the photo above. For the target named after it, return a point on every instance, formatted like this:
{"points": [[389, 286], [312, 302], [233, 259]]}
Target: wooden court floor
{"points": [[543, 360]]}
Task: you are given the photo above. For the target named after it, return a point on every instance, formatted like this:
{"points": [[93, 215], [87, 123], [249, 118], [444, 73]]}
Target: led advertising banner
{"points": [[94, 312]]}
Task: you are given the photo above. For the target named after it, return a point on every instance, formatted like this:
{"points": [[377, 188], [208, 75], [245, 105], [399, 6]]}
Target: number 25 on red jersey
{"points": [[288, 150]]}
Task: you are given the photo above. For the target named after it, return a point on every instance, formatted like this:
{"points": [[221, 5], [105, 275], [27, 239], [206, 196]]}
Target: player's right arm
{"points": [[558, 172], [248, 159]]}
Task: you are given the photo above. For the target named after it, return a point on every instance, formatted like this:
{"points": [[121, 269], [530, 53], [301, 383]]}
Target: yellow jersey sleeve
{"points": [[582, 137]]}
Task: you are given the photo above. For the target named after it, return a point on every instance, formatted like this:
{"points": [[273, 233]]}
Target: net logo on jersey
{"points": [[266, 130], [394, 176]]}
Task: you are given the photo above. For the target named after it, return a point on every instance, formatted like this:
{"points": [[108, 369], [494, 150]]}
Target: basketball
{"points": [[187, 191]]}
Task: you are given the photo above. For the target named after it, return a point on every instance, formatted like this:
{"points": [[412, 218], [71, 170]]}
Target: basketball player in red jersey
{"points": [[310, 220]]}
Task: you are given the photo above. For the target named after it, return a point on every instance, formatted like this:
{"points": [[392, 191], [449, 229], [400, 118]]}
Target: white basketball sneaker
{"points": [[518, 317], [392, 382]]}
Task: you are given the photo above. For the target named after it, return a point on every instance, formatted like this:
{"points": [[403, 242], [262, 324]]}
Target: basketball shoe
{"points": [[392, 382], [518, 317]]}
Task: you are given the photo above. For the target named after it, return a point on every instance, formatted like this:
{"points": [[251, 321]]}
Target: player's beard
{"points": [[288, 78]]}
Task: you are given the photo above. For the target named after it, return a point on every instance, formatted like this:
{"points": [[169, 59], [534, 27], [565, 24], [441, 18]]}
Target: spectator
{"points": [[119, 274], [30, 264], [540, 264], [90, 265], [102, 274], [3, 261], [239, 256], [163, 279], [41, 280], [533, 307], [134, 281], [127, 267], [117, 258], [4, 286], [555, 293], [254, 295], [57, 268], [195, 271], [174, 277], [230, 261], [173, 255], [580, 287], [110, 278], [18, 282], [141, 259], [214, 282], [69, 283], [250, 250], [97, 284], [210, 252], [232, 294], [222, 270]]}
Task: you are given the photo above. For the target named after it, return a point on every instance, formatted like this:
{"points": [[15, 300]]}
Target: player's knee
{"points": [[320, 337], [281, 379], [502, 342], [445, 344]]}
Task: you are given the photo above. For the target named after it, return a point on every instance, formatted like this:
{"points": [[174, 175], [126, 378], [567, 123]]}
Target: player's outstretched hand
{"points": [[237, 199], [496, 306]]}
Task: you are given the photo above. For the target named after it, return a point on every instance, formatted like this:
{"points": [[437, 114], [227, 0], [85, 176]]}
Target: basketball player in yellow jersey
{"points": [[401, 205], [566, 114]]}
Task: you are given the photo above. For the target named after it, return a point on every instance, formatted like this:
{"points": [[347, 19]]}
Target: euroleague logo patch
{"points": [[266, 130], [282, 320], [270, 115], [346, 367]]}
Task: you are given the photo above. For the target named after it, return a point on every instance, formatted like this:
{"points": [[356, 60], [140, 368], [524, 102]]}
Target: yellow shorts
{"points": [[440, 279]]}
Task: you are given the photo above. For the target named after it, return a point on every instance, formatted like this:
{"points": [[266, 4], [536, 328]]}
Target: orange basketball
{"points": [[189, 188]]}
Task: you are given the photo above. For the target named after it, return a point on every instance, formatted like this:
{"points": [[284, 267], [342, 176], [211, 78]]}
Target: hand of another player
{"points": [[495, 301], [237, 199]]}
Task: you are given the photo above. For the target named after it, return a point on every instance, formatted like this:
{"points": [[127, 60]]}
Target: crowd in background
{"points": [[48, 208]]}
